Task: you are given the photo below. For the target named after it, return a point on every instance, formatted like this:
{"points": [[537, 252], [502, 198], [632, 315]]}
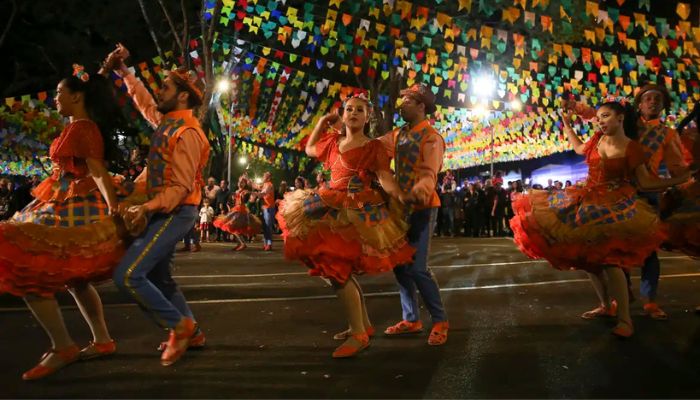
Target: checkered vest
{"points": [[163, 143], [407, 155]]}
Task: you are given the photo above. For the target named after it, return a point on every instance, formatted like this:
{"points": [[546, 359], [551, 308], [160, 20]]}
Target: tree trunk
{"points": [[150, 28], [173, 31]]}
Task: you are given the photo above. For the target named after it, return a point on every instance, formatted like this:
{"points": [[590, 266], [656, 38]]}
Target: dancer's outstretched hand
{"points": [[567, 117]]}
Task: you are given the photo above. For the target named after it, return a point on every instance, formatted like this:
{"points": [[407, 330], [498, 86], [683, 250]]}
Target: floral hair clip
{"points": [[362, 96], [79, 72], [621, 100]]}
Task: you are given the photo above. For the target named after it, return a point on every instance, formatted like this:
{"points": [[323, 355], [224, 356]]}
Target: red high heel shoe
{"points": [[67, 355], [350, 349]]}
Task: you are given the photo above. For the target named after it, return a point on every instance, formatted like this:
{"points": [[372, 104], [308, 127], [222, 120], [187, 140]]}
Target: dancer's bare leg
{"points": [[48, 313], [90, 306], [601, 290], [618, 289]]}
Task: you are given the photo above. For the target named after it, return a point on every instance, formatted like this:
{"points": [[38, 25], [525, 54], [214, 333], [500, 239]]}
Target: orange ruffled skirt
{"points": [[336, 234], [681, 210], [51, 245], [239, 222], [587, 228]]}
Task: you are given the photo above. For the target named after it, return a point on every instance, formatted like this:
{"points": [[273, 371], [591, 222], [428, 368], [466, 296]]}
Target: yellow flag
{"points": [[465, 4], [683, 10]]}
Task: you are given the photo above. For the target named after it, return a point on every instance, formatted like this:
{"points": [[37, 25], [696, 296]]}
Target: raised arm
{"points": [[573, 138], [322, 125], [143, 99]]}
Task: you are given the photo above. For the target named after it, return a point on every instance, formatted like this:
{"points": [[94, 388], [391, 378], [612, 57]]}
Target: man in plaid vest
{"points": [[173, 184]]}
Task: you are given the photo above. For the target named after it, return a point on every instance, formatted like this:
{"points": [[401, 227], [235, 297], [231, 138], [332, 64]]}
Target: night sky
{"points": [[48, 36]]}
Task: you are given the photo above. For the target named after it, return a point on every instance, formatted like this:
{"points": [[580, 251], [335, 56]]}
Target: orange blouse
{"points": [[361, 161], [612, 170], [78, 141]]}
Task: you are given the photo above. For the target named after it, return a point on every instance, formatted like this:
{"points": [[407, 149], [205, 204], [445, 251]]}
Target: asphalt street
{"points": [[515, 333]]}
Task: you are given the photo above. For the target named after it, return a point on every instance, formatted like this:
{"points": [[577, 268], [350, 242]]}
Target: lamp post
{"points": [[230, 142], [484, 87], [223, 86]]}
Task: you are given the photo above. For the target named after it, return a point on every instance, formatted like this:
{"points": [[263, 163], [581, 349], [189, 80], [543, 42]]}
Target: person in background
{"points": [[321, 181], [299, 183], [206, 217], [267, 193], [211, 189], [447, 200], [221, 199], [7, 199]]}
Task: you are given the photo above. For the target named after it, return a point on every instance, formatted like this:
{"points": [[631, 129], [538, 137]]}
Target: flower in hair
{"points": [[79, 72], [361, 96], [623, 101]]}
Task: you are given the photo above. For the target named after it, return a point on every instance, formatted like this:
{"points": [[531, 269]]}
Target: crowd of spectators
{"points": [[480, 207]]}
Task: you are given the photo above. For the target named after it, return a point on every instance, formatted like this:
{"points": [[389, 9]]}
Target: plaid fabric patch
{"points": [[575, 214], [355, 184], [314, 207], [652, 140], [76, 211], [159, 147], [374, 214], [407, 154]]}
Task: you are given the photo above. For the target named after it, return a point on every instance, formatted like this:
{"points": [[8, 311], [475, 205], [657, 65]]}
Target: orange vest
{"points": [[653, 136], [163, 143], [408, 154], [268, 198]]}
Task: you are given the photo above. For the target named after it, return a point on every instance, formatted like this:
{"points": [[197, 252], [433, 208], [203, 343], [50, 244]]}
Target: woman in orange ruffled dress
{"points": [[67, 237], [239, 220], [602, 227], [347, 228]]}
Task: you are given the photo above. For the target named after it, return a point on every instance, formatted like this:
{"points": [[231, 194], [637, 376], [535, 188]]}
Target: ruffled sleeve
{"points": [[82, 140], [325, 146]]}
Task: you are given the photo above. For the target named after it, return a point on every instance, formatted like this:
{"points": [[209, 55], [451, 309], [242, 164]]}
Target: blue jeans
{"points": [[448, 221], [191, 237], [144, 272], [268, 224], [417, 275]]}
